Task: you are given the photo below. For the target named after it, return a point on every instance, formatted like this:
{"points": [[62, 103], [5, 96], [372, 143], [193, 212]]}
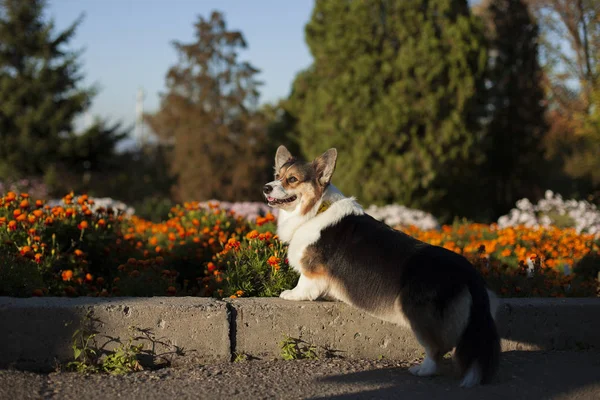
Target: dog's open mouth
{"points": [[273, 201]]}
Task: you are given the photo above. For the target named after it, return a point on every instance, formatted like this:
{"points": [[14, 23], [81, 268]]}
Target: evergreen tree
{"points": [[515, 165], [209, 115], [393, 88], [39, 93]]}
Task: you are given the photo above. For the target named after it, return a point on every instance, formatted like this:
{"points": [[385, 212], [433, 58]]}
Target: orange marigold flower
{"points": [[10, 196], [273, 261], [21, 218], [233, 243], [38, 213], [78, 252], [240, 293], [67, 275], [38, 258], [89, 277], [24, 203], [83, 225], [171, 290], [211, 266], [134, 274], [260, 221], [49, 221], [25, 250], [39, 203], [37, 293], [2, 220], [252, 235], [17, 212]]}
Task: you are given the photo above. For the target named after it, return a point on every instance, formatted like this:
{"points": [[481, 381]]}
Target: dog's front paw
{"points": [[296, 295], [426, 368], [288, 295]]}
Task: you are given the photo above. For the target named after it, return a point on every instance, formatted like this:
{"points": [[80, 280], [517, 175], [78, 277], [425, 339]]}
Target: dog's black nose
{"points": [[267, 189]]}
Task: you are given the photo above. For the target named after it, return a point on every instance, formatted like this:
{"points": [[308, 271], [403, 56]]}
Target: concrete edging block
{"points": [[37, 333], [523, 324]]}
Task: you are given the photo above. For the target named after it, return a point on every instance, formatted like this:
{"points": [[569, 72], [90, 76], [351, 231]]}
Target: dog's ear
{"points": [[325, 165], [281, 157]]}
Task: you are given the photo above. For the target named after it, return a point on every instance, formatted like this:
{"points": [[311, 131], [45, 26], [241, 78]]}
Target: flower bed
{"points": [[79, 248]]}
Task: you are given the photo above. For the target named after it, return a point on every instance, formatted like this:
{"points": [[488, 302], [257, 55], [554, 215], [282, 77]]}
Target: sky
{"points": [[127, 45]]}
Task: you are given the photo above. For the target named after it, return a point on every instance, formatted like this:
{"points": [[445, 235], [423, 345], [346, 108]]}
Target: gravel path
{"points": [[523, 375]]}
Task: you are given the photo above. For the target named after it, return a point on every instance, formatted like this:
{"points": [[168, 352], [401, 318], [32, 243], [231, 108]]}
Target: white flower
{"points": [[585, 216]]}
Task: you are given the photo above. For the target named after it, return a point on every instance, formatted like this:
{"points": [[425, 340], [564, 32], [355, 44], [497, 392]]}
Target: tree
{"points": [[39, 89], [515, 165], [392, 87], [571, 59], [209, 115]]}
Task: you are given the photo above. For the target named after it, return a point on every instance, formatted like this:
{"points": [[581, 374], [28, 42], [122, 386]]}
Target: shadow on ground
{"points": [[522, 375]]}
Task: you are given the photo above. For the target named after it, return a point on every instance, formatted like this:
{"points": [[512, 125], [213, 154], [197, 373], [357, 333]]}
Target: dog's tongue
{"points": [[270, 198]]}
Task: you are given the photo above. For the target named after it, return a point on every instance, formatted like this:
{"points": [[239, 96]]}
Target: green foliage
{"points": [[39, 89], [513, 144], [296, 349], [86, 160], [89, 358], [258, 267], [143, 174], [393, 88], [155, 209], [589, 267], [19, 277]]}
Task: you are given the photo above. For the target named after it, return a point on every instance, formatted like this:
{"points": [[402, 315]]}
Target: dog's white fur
{"points": [[300, 231]]}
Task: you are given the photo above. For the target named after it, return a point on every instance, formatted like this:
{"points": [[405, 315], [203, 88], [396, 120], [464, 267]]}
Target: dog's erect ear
{"points": [[281, 157], [325, 165]]}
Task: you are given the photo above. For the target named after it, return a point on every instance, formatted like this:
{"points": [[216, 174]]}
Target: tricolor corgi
{"points": [[345, 254]]}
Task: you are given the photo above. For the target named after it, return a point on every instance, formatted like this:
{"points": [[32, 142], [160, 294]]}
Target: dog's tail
{"points": [[478, 349]]}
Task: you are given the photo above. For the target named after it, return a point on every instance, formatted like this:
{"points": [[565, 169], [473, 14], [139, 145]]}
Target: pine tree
{"points": [[209, 115], [515, 165], [39, 89], [393, 88]]}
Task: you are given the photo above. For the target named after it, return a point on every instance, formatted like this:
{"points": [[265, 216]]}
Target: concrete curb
{"points": [[36, 333]]}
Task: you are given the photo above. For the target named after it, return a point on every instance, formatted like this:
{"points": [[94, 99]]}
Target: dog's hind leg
{"points": [[433, 355], [306, 289]]}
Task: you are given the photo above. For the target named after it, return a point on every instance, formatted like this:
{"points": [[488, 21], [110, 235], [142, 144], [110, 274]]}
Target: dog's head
{"points": [[297, 183]]}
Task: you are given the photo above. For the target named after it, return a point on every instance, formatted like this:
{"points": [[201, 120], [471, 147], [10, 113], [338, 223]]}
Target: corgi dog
{"points": [[344, 254]]}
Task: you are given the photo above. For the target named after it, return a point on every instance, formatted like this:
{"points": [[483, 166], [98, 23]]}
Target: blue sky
{"points": [[127, 44]]}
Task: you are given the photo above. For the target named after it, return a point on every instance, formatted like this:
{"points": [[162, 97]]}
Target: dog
{"points": [[344, 254]]}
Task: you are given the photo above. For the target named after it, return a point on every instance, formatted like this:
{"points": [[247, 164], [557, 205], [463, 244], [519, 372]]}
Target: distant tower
{"points": [[139, 118]]}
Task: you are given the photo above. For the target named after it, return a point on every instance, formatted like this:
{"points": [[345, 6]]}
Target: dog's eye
{"points": [[292, 179]]}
